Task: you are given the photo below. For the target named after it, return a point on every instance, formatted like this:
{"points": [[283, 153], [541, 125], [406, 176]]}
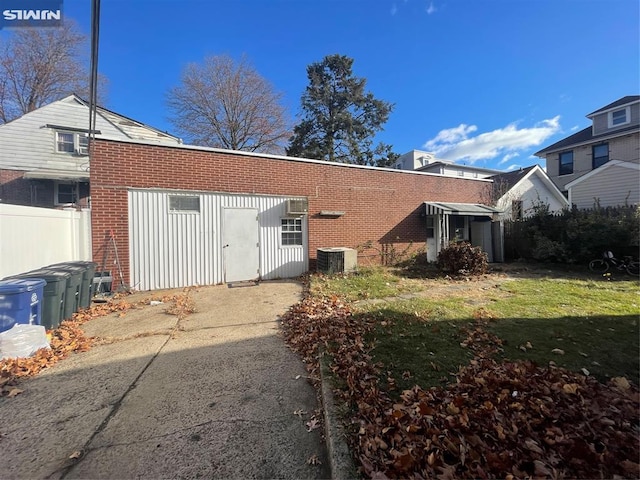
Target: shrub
{"points": [[463, 259], [574, 236]]}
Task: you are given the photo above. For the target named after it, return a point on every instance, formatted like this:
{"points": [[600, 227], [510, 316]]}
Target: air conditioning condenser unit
{"points": [[337, 260]]}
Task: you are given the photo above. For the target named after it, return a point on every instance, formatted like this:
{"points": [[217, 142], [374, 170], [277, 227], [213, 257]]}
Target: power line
{"points": [[93, 80]]}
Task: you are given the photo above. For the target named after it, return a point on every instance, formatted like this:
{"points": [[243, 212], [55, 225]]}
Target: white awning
{"points": [[43, 174], [471, 209]]}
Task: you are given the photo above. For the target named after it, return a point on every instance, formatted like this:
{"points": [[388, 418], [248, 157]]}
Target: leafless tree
{"points": [[41, 65], [226, 104]]}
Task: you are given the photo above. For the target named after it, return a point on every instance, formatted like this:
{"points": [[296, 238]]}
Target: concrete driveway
{"points": [[213, 399]]}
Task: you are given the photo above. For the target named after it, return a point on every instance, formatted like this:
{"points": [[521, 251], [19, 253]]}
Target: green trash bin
{"points": [[74, 286], [53, 294], [86, 288]]}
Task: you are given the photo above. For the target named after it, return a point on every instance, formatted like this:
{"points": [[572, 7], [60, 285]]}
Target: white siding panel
{"points": [[172, 250], [611, 187], [27, 144]]}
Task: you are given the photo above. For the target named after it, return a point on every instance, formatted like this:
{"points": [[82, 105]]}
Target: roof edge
{"points": [[278, 157], [602, 168], [545, 178], [599, 138]]}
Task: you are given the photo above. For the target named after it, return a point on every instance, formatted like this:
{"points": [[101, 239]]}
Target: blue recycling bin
{"points": [[53, 294], [21, 302]]}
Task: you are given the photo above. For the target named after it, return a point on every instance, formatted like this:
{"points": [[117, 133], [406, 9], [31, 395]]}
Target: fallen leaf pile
{"points": [[180, 305], [498, 420], [65, 340]]}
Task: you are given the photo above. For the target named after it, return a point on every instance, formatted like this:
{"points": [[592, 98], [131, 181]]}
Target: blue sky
{"points": [[484, 82]]}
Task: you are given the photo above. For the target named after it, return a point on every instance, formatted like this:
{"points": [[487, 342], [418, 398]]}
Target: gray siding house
{"points": [[44, 154], [599, 165]]}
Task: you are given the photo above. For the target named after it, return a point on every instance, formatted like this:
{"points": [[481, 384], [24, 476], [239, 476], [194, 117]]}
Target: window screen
{"points": [[64, 142], [183, 203]]}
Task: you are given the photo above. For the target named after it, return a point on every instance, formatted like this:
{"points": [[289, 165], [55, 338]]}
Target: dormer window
{"points": [[72, 142], [619, 117]]}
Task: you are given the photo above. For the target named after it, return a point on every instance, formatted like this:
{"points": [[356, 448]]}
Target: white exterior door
{"points": [[481, 237], [241, 249]]}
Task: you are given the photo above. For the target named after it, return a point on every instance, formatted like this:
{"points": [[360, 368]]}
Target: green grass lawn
{"points": [[373, 282], [595, 323]]}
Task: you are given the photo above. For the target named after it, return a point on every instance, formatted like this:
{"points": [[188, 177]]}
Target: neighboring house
{"points": [[44, 154], [427, 162], [516, 194], [598, 165], [413, 160], [227, 216], [452, 169], [614, 183], [457, 222]]}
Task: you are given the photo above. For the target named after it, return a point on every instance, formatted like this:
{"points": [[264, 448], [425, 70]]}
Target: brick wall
{"points": [[381, 207]]}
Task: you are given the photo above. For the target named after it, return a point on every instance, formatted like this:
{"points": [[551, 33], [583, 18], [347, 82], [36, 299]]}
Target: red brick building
{"points": [[188, 215]]}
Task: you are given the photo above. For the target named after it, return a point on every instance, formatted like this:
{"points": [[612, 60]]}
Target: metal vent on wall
{"points": [[297, 206], [337, 260]]}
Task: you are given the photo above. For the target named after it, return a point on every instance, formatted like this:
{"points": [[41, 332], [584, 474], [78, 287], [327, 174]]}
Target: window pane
{"points": [[516, 210], [65, 142], [600, 155], [619, 117], [566, 163], [181, 203], [291, 231], [66, 193]]}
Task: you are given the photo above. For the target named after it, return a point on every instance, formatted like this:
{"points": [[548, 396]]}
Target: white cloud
{"points": [[450, 136], [508, 157], [514, 166], [457, 144], [394, 9], [431, 9]]}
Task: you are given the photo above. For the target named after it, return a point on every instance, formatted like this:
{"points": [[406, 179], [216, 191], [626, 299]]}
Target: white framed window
{"points": [[566, 163], [619, 117], [431, 226], [600, 155], [65, 193], [184, 204], [291, 231], [72, 142], [516, 210]]}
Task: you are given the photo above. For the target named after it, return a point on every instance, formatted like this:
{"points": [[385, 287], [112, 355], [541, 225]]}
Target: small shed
{"points": [[471, 222]]}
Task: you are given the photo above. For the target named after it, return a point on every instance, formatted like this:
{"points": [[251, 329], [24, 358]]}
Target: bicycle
{"points": [[609, 262]]}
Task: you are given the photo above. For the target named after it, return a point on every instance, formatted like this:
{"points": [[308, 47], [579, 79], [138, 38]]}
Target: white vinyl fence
{"points": [[32, 237]]}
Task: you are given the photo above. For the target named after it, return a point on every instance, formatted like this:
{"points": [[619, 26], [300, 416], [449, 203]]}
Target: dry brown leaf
{"points": [[422, 435], [13, 391], [621, 382], [570, 388]]}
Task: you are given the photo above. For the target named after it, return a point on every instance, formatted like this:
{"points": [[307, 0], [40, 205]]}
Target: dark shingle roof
{"points": [[583, 136], [617, 103], [509, 179]]}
